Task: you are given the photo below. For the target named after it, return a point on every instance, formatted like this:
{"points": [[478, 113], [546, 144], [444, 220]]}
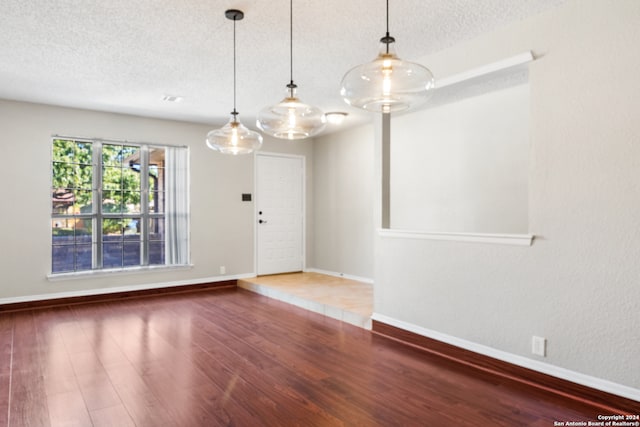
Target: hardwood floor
{"points": [[232, 357]]}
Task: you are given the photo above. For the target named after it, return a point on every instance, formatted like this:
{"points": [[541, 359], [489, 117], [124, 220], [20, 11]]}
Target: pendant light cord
{"points": [[387, 39], [234, 113], [291, 39], [291, 84], [387, 18], [387, 35]]}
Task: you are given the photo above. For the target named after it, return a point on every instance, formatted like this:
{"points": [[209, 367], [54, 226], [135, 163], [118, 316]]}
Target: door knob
{"points": [[261, 221]]}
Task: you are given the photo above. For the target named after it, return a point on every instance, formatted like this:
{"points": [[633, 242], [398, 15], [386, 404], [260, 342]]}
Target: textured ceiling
{"points": [[125, 55]]}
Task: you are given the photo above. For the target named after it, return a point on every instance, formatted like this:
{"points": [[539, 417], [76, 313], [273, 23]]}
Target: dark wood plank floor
{"points": [[230, 357]]}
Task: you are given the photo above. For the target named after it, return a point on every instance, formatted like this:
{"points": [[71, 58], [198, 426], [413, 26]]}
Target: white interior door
{"points": [[279, 214]]}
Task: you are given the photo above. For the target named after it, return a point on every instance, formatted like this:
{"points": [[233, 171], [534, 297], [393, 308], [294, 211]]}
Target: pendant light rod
{"points": [[387, 39], [234, 15], [291, 84], [387, 17], [235, 113]]}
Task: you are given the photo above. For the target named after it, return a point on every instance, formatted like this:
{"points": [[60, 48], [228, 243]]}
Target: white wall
{"points": [[222, 225], [463, 166], [579, 284], [343, 211]]}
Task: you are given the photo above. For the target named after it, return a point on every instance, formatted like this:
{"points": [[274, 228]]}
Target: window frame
{"points": [[98, 215]]}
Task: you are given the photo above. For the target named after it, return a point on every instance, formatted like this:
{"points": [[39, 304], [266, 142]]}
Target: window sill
{"points": [[500, 239], [116, 272]]}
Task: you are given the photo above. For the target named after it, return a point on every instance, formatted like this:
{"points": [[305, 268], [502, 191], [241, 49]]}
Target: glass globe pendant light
{"points": [[234, 137], [291, 118], [388, 83]]}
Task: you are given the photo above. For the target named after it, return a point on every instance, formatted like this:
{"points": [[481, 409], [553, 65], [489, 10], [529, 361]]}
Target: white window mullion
{"points": [[144, 205], [97, 206]]}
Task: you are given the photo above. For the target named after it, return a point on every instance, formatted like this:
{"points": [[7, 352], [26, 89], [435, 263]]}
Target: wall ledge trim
{"points": [[500, 239], [341, 275], [599, 392], [522, 58]]}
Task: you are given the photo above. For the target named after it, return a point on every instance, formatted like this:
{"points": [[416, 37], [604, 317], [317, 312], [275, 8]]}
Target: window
{"points": [[117, 205]]}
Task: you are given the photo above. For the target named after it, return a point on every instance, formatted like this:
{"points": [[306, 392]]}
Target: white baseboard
{"points": [[129, 288], [545, 368], [343, 275]]}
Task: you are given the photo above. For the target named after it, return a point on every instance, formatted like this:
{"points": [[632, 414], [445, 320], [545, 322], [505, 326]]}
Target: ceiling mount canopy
{"points": [[388, 83], [234, 137], [291, 118], [336, 117]]}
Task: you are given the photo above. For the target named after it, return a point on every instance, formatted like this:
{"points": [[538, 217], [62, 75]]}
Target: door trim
{"points": [[303, 159]]}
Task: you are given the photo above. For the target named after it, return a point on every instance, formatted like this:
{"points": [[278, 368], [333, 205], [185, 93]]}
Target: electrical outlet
{"points": [[539, 346], [223, 270]]}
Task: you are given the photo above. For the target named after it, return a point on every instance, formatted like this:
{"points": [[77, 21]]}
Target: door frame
{"points": [[303, 177]]}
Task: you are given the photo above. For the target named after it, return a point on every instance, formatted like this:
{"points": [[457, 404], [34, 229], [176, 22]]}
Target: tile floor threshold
{"points": [[343, 299]]}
